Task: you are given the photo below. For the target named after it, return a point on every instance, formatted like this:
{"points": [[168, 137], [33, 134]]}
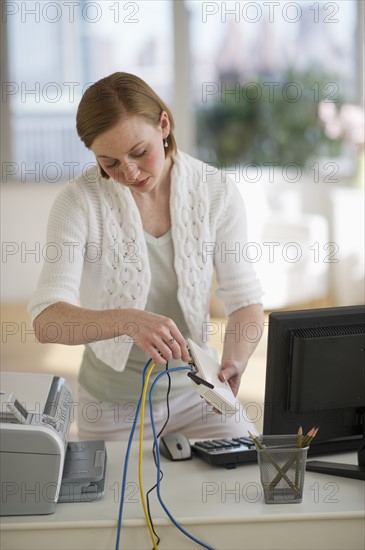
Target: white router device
{"points": [[206, 381]]}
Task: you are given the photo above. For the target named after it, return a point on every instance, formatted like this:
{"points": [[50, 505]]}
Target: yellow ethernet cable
{"points": [[140, 460]]}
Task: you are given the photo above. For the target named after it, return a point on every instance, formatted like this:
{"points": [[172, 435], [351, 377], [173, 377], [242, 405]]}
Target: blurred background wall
{"points": [[271, 93]]}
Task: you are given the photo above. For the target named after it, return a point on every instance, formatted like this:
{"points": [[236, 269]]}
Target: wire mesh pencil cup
{"points": [[282, 468]]}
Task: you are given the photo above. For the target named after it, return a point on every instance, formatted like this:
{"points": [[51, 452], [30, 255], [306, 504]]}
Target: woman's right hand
{"points": [[158, 336]]}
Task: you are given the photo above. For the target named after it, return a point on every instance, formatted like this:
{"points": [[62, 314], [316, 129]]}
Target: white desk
{"points": [[224, 508]]}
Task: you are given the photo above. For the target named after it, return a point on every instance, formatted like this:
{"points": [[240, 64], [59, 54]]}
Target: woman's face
{"points": [[133, 153]]}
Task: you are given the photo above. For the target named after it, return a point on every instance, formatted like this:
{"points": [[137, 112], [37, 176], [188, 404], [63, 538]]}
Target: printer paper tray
{"points": [[83, 478]]}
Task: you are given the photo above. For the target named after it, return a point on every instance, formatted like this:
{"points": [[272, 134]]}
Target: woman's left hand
{"points": [[231, 371]]}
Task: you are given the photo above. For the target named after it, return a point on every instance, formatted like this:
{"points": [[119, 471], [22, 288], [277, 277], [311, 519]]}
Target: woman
{"points": [[141, 234]]}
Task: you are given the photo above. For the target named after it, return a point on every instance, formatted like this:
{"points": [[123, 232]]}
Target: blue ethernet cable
{"points": [[189, 535]]}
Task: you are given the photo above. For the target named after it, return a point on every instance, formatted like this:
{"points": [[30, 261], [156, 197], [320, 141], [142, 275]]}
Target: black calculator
{"points": [[226, 452]]}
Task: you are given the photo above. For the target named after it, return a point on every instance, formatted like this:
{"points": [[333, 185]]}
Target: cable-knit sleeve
{"points": [[238, 285], [63, 264]]}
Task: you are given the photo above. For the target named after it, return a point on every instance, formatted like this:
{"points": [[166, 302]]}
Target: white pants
{"points": [[189, 414]]}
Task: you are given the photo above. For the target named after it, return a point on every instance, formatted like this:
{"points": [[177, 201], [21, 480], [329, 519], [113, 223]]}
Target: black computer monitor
{"points": [[315, 376]]}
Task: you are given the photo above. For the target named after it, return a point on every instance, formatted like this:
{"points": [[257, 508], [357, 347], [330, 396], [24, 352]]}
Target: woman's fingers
{"points": [[178, 347], [231, 372], [159, 337]]}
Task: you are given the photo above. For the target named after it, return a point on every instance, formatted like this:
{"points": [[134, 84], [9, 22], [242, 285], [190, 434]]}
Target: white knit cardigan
{"points": [[102, 259]]}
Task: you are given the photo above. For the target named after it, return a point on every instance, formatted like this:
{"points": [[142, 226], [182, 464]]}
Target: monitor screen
{"points": [[315, 376]]}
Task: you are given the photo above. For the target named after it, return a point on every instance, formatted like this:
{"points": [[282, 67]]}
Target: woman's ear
{"points": [[165, 124]]}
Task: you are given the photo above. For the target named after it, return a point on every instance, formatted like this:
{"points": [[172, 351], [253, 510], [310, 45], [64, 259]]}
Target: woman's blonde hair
{"points": [[107, 101]]}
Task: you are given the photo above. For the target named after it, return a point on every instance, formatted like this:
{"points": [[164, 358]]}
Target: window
{"points": [[267, 81], [55, 50], [272, 80]]}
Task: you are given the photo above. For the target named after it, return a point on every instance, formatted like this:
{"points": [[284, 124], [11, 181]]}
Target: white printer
{"points": [[38, 465]]}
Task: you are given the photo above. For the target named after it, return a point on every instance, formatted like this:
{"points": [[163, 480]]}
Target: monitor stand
{"points": [[343, 470]]}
